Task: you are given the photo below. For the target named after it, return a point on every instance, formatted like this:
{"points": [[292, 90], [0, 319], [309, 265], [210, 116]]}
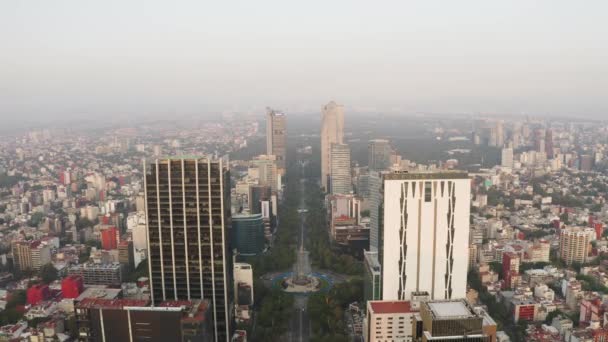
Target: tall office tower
{"points": [[379, 154], [507, 157], [375, 215], [188, 218], [500, 133], [517, 138], [340, 177], [275, 137], [492, 136], [332, 132], [575, 244], [268, 173], [549, 144], [423, 233], [539, 140]]}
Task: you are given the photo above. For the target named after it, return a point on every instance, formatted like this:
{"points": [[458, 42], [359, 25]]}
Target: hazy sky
{"points": [[70, 58]]}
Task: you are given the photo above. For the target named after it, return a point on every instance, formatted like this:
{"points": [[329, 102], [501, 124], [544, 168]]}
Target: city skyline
{"points": [[269, 171]]}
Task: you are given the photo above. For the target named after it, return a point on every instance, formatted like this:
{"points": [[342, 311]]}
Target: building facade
{"points": [[340, 175], [388, 321], [452, 320], [109, 274], [248, 234], [275, 137], [188, 220], [574, 244], [266, 166], [332, 132], [424, 233], [30, 255], [506, 159], [379, 154], [100, 320]]}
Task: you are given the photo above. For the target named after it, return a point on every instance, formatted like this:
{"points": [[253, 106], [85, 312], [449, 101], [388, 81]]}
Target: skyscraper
{"points": [[332, 132], [188, 217], [275, 137], [500, 133], [379, 154], [422, 233], [340, 176], [507, 157], [549, 144]]}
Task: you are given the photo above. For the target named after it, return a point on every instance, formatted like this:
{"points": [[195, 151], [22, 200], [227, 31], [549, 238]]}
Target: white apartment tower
{"points": [[332, 132], [340, 177], [423, 234], [574, 244], [506, 157]]}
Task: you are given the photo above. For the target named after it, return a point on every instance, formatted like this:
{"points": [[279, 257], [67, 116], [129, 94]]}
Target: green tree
{"points": [[35, 220], [48, 273]]}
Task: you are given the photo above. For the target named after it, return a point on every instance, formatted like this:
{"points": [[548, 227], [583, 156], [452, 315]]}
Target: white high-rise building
{"points": [[332, 132], [507, 157], [340, 176], [423, 234], [574, 244]]}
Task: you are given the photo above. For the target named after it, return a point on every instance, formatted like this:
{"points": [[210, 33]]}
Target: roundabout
{"points": [[318, 282]]}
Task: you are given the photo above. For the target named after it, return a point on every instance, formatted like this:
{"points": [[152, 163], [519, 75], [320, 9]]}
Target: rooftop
{"points": [[389, 307], [99, 292], [111, 303], [450, 309], [402, 175]]}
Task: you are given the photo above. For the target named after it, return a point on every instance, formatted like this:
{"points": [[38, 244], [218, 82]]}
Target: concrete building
{"points": [[379, 154], [267, 171], [510, 269], [506, 159], [340, 181], [423, 234], [188, 217], [372, 286], [586, 163], [332, 132], [110, 237], [243, 290], [248, 234], [100, 320], [98, 274], [275, 137], [452, 320], [126, 255], [30, 255], [139, 236], [345, 224], [574, 244], [388, 321]]}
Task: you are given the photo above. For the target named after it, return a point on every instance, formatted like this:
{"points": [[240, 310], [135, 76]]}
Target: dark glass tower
{"points": [[188, 225]]}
